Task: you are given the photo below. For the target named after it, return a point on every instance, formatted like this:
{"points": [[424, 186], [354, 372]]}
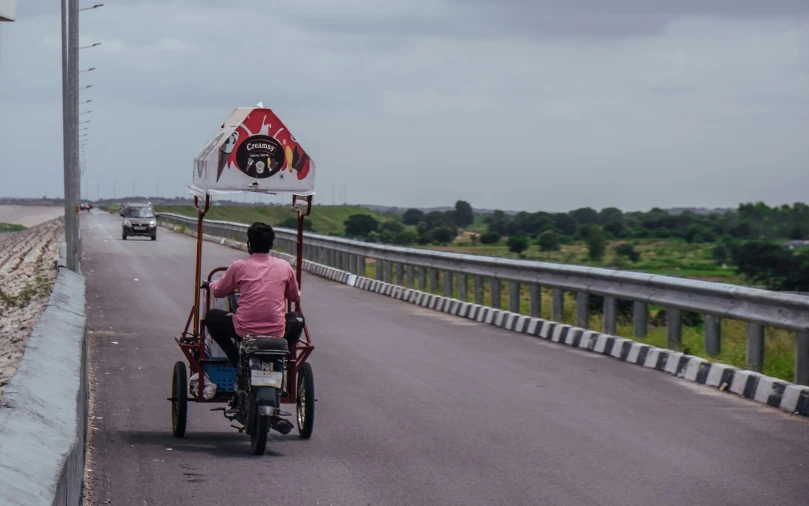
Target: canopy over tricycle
{"points": [[253, 151]]}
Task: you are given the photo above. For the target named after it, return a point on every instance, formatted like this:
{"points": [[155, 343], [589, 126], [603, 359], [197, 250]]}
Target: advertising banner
{"points": [[253, 151]]}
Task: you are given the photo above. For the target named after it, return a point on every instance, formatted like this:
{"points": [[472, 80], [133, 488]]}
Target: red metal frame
{"points": [[193, 344]]}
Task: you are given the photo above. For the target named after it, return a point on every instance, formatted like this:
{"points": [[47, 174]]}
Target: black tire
{"points": [[250, 416], [306, 402], [258, 439], [123, 236], [179, 402], [154, 237]]}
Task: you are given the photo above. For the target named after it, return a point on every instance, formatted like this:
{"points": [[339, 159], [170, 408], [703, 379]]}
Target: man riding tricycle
{"points": [[251, 351]]}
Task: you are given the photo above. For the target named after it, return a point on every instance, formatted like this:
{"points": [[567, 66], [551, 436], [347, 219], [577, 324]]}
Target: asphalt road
{"points": [[414, 408]]}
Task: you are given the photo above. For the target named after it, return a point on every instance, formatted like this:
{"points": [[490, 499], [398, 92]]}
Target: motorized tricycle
{"points": [[273, 370]]}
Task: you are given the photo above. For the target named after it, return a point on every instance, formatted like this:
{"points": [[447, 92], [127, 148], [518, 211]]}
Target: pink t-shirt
{"points": [[265, 283]]}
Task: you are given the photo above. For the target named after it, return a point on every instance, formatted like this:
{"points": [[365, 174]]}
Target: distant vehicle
{"points": [[138, 220], [86, 206]]}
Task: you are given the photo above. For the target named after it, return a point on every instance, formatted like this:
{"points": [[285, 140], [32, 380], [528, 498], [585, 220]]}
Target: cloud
{"points": [[514, 104]]}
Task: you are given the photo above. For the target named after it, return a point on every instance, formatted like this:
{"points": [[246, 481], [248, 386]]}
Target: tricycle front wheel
{"points": [[179, 399], [306, 401]]}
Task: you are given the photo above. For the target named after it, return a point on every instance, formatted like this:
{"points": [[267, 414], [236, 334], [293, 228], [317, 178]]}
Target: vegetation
{"points": [[464, 215], [292, 222], [361, 226], [773, 266], [40, 286], [549, 240], [596, 242], [517, 244], [748, 222], [328, 220], [748, 239], [628, 251], [490, 237], [737, 246], [9, 227], [412, 216]]}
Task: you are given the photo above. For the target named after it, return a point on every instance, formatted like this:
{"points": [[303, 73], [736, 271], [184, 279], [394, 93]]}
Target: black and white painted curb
{"points": [[748, 384], [320, 270], [757, 387]]}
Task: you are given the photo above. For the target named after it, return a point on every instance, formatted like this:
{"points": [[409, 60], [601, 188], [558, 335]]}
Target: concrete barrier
{"points": [[43, 414]]}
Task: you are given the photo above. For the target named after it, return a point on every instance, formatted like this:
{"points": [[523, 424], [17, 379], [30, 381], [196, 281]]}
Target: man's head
{"points": [[260, 238]]}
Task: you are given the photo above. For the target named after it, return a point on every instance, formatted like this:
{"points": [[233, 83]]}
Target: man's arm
{"points": [[227, 284], [293, 292]]}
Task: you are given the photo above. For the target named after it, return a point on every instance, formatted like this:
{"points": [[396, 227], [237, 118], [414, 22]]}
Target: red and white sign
{"points": [[253, 151]]}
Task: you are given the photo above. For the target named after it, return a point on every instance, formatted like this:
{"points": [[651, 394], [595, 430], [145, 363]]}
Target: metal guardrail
{"points": [[414, 267]]}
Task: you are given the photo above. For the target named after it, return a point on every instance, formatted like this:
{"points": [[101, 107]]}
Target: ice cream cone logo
{"points": [[288, 153], [299, 159]]}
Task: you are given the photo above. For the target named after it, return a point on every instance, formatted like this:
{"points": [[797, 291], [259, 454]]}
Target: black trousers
{"points": [[220, 326]]}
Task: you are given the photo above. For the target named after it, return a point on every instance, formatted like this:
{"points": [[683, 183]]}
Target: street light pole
{"points": [[70, 25], [66, 133], [75, 178], [70, 128]]}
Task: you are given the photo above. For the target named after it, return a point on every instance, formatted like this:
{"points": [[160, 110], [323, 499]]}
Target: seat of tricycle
{"points": [[253, 343]]}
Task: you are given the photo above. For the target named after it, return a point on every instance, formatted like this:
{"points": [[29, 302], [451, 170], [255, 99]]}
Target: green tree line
{"points": [[748, 237], [748, 222]]}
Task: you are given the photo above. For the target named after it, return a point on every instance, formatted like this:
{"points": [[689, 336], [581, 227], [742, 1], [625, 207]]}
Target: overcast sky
{"points": [[516, 104]]}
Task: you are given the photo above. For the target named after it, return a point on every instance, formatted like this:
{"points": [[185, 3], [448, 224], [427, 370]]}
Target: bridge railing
{"points": [[420, 268]]}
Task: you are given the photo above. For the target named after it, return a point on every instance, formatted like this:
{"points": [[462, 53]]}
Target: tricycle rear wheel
{"points": [[258, 435], [306, 401], [179, 399]]}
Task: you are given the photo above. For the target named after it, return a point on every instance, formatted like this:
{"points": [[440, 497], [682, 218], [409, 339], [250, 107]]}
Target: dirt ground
{"points": [[28, 270]]}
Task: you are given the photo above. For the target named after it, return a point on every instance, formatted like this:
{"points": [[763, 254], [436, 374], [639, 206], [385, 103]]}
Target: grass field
{"points": [[8, 227], [325, 219], [669, 257]]}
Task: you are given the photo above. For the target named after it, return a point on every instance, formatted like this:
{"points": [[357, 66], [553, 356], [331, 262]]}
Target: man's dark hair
{"points": [[260, 238]]}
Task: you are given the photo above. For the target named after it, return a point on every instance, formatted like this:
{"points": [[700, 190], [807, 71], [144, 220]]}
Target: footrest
{"points": [[284, 413]]}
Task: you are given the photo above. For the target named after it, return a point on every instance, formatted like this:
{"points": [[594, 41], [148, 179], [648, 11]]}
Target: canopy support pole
{"points": [[301, 217], [198, 268]]}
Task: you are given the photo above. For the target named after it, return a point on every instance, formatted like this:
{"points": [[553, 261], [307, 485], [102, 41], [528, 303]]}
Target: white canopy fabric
{"points": [[8, 10], [253, 152]]}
